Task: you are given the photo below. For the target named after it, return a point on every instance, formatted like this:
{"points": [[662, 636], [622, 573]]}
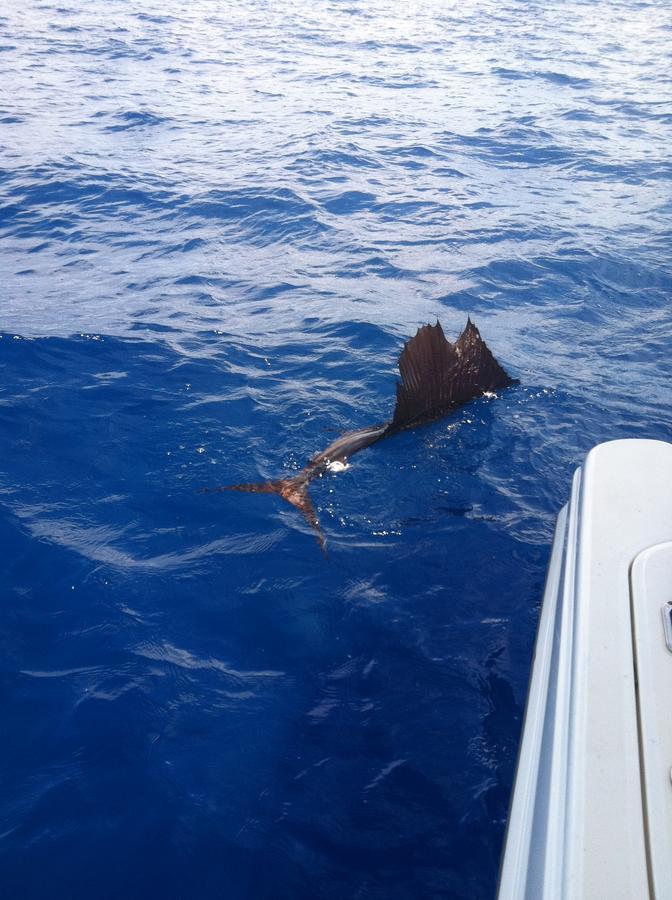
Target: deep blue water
{"points": [[218, 224]]}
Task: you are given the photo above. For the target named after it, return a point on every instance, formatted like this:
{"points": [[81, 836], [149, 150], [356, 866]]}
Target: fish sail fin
{"points": [[478, 367], [437, 376], [293, 490]]}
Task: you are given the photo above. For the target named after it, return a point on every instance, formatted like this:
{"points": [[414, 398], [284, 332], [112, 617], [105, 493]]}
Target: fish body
{"points": [[346, 446], [437, 377]]}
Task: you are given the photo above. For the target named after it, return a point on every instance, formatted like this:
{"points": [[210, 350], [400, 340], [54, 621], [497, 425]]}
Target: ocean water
{"points": [[218, 225]]}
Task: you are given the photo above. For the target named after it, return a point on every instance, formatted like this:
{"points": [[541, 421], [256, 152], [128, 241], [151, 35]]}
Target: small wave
{"points": [[563, 79], [349, 202], [109, 545], [185, 659], [135, 119], [559, 78], [264, 216]]}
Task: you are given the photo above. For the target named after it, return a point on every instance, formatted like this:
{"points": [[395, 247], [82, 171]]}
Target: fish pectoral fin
{"points": [[295, 491]]}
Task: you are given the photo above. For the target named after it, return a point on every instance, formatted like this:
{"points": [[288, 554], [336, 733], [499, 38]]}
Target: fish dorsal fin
{"points": [[437, 376]]}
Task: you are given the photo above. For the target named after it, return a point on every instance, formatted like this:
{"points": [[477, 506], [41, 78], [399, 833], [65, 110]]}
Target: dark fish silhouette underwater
{"points": [[436, 378]]}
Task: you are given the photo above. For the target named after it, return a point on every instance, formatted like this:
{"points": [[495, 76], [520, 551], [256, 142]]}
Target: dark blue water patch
{"points": [[119, 656], [202, 678]]}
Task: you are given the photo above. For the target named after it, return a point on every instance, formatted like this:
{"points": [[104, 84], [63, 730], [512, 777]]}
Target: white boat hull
{"points": [[591, 814]]}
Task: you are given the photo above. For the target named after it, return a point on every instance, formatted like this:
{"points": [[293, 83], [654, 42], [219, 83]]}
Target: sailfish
{"points": [[437, 377]]}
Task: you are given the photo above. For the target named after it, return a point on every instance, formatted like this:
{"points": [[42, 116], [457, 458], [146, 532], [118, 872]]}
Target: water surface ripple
{"points": [[218, 223]]}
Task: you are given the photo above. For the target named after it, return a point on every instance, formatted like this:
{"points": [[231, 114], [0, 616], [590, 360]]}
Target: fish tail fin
{"points": [[437, 376], [293, 490]]}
